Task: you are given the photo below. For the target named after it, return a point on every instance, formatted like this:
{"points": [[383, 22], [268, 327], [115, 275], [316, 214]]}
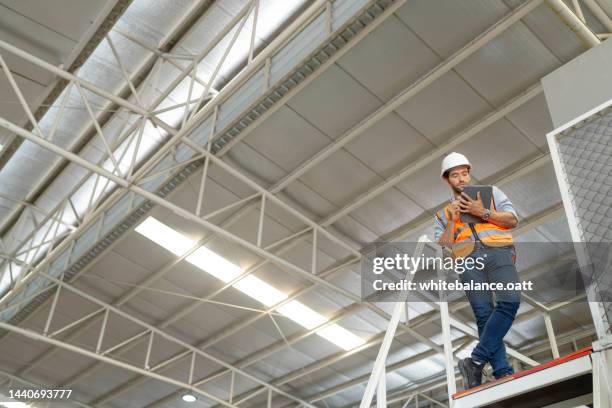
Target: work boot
{"points": [[471, 372]]}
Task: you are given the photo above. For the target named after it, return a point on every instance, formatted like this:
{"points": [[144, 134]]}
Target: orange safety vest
{"points": [[489, 234]]}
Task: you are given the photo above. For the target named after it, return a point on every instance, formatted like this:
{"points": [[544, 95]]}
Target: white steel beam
{"points": [[48, 215], [109, 8], [566, 15], [582, 31], [166, 56], [76, 80], [599, 13]]}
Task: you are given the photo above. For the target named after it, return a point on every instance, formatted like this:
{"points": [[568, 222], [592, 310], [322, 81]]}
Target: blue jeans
{"points": [[493, 321]]}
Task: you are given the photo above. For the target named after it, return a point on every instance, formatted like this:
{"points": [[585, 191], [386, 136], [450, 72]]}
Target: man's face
{"points": [[458, 177]]}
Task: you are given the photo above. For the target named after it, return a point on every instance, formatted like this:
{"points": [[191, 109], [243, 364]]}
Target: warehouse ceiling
{"points": [[310, 152], [64, 39]]}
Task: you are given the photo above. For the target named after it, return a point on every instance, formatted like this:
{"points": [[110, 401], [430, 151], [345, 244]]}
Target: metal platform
{"points": [[577, 380], [564, 382]]}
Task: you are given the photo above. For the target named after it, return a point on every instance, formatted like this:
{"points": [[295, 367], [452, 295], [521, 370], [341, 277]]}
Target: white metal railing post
{"points": [[381, 392], [551, 335], [602, 373], [378, 370], [449, 362]]}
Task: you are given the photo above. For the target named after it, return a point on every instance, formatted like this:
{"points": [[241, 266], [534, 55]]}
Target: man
{"points": [[492, 242]]}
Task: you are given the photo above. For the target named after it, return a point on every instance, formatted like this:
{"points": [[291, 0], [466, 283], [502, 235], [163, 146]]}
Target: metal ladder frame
{"points": [[377, 382]]}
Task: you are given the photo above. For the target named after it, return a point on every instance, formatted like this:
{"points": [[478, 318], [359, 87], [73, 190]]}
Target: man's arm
{"points": [[448, 237], [504, 219], [505, 216]]}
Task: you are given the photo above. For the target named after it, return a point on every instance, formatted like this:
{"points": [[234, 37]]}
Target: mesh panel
{"points": [[586, 158]]}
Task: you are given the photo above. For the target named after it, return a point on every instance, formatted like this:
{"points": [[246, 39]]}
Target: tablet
{"points": [[486, 194]]}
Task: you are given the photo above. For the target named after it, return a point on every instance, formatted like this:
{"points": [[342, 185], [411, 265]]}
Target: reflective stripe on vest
{"points": [[489, 234]]}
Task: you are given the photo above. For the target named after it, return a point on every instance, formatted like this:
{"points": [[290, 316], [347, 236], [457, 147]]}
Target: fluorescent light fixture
{"points": [[341, 337], [252, 286], [260, 290], [214, 264], [188, 398], [302, 314], [13, 404], [165, 236]]}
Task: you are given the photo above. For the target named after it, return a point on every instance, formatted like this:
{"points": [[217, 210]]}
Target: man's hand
{"points": [[471, 206], [448, 236], [454, 211]]}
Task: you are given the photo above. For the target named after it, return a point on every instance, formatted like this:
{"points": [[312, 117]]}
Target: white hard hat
{"points": [[453, 160]]}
